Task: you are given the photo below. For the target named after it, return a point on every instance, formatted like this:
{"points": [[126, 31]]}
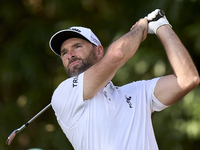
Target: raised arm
{"points": [[172, 88], [118, 53]]}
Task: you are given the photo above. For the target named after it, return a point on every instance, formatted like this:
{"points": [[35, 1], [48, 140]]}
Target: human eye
{"points": [[63, 53], [78, 46]]}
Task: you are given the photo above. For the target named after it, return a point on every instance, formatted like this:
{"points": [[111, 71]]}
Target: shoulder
{"points": [[71, 86], [67, 100], [71, 83]]}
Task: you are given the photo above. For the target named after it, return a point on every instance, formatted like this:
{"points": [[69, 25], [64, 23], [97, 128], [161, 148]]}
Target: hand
{"points": [[154, 25]]}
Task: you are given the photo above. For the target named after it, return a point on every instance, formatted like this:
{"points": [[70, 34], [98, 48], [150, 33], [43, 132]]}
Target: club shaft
{"points": [[38, 114], [13, 134]]}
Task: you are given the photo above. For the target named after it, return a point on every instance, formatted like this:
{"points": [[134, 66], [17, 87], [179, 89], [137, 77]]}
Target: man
{"points": [[96, 115]]}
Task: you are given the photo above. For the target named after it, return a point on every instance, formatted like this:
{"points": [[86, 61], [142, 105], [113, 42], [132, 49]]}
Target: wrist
{"points": [[141, 27], [163, 29], [162, 23]]}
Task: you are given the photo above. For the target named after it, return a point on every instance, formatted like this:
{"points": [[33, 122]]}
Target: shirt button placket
{"points": [[105, 93]]}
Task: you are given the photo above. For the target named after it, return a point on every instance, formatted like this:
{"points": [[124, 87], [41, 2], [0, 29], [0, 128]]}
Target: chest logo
{"points": [[128, 100]]}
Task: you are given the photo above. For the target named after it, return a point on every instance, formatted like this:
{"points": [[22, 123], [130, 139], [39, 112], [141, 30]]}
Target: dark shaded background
{"points": [[30, 71]]}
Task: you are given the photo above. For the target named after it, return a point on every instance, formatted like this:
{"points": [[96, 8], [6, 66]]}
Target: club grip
{"points": [[160, 14]]}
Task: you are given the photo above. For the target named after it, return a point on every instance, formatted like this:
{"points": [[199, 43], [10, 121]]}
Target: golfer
{"points": [[93, 113]]}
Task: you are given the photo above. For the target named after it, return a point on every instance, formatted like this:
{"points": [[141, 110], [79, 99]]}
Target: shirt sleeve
{"points": [[67, 101], [145, 91], [155, 104]]}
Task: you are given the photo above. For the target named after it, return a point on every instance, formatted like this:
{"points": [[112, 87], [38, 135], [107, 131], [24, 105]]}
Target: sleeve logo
{"points": [[75, 81]]}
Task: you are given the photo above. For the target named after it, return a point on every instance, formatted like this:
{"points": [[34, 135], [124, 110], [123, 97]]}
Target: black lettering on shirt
{"points": [[75, 81]]}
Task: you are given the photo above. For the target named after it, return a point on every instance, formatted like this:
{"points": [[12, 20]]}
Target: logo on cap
{"points": [[75, 29], [95, 40]]}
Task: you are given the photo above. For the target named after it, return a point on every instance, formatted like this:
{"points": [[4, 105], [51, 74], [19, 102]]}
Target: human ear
{"points": [[100, 51]]}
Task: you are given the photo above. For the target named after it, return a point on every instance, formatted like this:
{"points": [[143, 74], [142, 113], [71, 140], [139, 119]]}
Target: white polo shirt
{"points": [[116, 118]]}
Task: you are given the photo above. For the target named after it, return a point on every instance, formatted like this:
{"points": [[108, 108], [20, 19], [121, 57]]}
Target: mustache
{"points": [[74, 59]]}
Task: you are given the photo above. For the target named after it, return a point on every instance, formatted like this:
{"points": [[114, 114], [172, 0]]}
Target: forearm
{"points": [[179, 58], [171, 88], [126, 46], [118, 53]]}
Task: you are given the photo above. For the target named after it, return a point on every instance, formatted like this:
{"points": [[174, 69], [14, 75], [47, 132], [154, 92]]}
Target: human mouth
{"points": [[74, 63]]}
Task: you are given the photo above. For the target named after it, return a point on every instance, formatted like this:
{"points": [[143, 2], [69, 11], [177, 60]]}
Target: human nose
{"points": [[71, 54]]}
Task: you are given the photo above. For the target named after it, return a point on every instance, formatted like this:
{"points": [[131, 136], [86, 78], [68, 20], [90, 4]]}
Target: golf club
{"points": [[15, 132], [160, 14]]}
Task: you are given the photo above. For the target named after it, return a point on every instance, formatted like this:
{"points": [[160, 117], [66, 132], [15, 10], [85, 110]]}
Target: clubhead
{"points": [[11, 137], [13, 134]]}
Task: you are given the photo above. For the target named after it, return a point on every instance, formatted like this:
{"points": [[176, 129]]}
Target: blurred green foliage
{"points": [[29, 71]]}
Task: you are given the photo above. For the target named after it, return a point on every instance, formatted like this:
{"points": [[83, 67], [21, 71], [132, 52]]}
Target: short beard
{"points": [[90, 60]]}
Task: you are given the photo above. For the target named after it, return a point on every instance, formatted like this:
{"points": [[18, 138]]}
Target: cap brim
{"points": [[58, 38]]}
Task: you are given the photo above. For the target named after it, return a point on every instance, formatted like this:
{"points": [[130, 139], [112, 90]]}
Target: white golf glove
{"points": [[155, 21]]}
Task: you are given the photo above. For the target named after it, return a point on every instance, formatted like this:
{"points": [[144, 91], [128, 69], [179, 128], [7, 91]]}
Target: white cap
{"points": [[74, 32]]}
